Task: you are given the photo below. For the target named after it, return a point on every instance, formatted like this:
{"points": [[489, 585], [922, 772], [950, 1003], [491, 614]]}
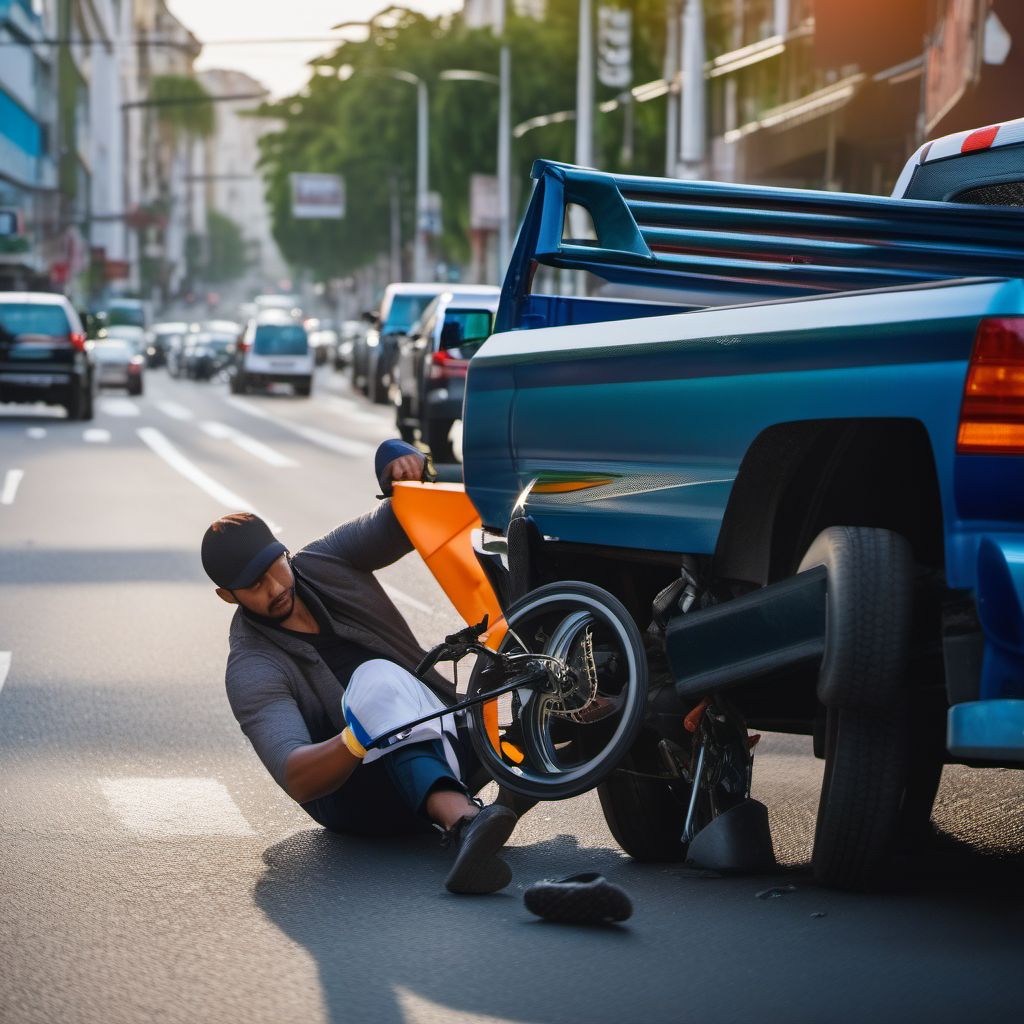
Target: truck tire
{"points": [[304, 388], [863, 686], [643, 814]]}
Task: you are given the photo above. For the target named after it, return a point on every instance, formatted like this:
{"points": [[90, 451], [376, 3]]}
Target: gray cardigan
{"points": [[280, 690]]}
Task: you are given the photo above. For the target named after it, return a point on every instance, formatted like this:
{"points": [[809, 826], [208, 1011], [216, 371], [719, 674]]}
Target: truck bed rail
{"points": [[729, 242]]}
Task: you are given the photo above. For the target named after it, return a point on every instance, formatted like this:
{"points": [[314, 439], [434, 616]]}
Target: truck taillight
{"points": [[992, 413], [443, 366], [77, 340]]}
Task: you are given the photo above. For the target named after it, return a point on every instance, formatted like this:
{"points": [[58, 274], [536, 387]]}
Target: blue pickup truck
{"points": [[785, 429]]}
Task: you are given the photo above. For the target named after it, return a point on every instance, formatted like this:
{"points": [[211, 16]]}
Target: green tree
{"points": [[227, 256], [353, 120]]}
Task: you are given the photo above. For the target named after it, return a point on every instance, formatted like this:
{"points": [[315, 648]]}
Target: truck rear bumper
{"points": [[992, 728], [1000, 602], [987, 730]]}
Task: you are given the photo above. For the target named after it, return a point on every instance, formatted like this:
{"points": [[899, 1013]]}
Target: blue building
{"points": [[29, 228]]}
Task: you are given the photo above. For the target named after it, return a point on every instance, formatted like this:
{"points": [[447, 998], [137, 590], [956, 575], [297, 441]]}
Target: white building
{"points": [[235, 186]]}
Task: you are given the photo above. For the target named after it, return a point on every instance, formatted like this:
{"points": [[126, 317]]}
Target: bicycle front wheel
{"points": [[557, 741]]}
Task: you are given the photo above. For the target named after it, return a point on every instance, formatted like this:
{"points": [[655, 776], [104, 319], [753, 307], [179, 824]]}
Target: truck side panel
{"points": [[634, 430]]}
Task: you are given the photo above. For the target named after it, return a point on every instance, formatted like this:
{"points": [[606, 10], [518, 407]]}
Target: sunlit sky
{"points": [[279, 66]]}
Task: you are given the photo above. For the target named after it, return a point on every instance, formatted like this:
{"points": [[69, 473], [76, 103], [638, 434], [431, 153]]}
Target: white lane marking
{"points": [[341, 445], [119, 407], [353, 411], [10, 489], [96, 435], [175, 807], [248, 444], [5, 666], [190, 471], [174, 410], [36, 433], [403, 598]]}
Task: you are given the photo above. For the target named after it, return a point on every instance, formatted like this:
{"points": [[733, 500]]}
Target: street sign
{"points": [[318, 196], [615, 47], [484, 203], [430, 214]]}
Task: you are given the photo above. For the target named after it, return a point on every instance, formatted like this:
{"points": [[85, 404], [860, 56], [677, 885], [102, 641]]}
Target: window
{"points": [[280, 340]]}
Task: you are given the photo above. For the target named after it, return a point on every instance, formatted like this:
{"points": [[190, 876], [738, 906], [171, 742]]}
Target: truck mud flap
{"points": [[776, 627]]}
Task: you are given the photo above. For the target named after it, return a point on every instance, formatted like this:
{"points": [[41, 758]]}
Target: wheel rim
{"points": [[547, 740]]}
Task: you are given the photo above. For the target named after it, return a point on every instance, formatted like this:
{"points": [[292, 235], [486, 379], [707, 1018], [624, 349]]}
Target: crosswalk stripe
{"points": [[119, 407], [96, 435], [158, 807], [5, 666], [36, 433], [12, 480], [174, 410], [223, 432], [341, 445], [190, 471]]}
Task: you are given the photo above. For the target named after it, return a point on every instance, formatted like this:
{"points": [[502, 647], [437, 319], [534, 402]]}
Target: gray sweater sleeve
{"points": [[266, 710], [367, 543]]}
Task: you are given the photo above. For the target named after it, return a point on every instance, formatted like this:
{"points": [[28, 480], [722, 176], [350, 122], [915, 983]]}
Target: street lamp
{"points": [[419, 257], [502, 81]]}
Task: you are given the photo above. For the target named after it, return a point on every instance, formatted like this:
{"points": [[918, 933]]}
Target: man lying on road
{"points": [[314, 626]]}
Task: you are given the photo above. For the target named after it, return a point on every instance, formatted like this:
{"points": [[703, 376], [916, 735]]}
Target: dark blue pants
{"points": [[388, 796]]}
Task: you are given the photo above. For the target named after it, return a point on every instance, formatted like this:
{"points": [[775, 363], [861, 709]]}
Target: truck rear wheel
{"points": [[864, 688], [643, 814]]}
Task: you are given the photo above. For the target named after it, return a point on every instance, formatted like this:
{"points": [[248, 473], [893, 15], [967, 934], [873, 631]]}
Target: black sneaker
{"points": [[579, 899], [477, 840]]}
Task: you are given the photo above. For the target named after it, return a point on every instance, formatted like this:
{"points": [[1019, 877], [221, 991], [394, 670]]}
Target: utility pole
{"points": [[396, 230], [671, 75], [585, 88], [420, 271], [693, 149], [504, 149]]}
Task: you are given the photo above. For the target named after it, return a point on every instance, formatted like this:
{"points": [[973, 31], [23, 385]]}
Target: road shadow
{"points": [[391, 946], [387, 938]]}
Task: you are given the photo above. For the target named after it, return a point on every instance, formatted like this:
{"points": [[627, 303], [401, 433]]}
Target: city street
{"points": [[152, 870]]}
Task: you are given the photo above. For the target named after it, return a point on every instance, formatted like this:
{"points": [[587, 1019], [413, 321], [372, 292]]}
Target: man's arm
{"points": [[376, 539], [318, 769], [266, 710]]}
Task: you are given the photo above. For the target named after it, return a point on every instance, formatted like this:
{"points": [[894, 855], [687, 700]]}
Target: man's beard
{"points": [[282, 605]]}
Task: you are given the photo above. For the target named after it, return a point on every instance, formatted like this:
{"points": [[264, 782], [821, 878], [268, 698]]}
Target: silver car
{"points": [[118, 365]]}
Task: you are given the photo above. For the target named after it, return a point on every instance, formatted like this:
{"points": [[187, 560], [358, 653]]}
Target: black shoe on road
{"points": [[579, 899], [477, 840]]}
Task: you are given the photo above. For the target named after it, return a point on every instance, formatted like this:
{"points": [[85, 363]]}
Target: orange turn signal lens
{"points": [[992, 413]]}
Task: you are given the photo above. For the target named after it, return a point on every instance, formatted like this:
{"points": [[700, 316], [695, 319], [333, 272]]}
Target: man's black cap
{"points": [[238, 549]]}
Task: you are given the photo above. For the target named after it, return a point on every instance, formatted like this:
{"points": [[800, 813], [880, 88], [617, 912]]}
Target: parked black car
{"points": [[432, 361], [373, 355], [44, 355]]}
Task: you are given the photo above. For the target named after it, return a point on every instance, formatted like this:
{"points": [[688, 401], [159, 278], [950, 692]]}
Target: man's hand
{"points": [[406, 467]]}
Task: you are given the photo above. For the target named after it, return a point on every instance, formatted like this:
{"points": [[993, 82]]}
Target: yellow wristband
{"points": [[355, 748]]}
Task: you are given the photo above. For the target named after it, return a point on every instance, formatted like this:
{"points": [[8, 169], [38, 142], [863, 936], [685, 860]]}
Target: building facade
{"points": [[29, 216]]}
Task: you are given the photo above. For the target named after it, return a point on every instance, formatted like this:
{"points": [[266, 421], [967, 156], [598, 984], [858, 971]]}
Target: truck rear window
{"points": [[280, 340], [18, 319]]}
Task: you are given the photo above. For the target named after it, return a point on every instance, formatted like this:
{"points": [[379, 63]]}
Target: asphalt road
{"points": [[152, 871]]}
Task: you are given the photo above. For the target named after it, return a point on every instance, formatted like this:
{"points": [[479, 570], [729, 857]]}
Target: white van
{"points": [[274, 350]]}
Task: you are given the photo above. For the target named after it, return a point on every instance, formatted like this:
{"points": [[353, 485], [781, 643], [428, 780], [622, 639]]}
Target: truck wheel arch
{"points": [[798, 478]]}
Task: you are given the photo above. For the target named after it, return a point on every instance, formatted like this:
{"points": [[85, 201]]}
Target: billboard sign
{"points": [[318, 196], [484, 203]]}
